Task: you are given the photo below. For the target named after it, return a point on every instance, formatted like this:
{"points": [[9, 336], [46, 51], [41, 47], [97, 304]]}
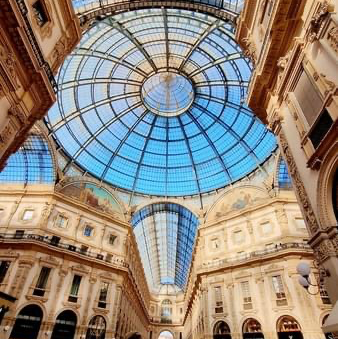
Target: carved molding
{"points": [[250, 49], [317, 20], [306, 206], [6, 135], [332, 37]]}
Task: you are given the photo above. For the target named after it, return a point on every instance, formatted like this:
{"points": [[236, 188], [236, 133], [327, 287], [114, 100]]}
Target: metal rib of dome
{"points": [[103, 124]]}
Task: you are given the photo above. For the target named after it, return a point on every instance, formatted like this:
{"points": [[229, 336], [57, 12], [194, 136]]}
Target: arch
{"points": [[252, 329], [328, 335], [65, 325], [235, 199], [282, 178], [288, 328], [221, 330], [97, 328], [165, 334], [90, 16], [133, 335], [325, 190], [92, 193], [32, 163], [177, 226], [27, 323]]}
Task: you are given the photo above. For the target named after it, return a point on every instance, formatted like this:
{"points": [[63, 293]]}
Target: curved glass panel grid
{"points": [[167, 93], [103, 125], [165, 235], [83, 6], [284, 180], [32, 163]]}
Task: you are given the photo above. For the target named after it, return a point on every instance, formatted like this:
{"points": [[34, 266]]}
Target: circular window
{"points": [[167, 93]]}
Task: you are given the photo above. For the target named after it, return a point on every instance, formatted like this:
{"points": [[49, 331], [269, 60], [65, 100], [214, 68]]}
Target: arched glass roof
{"points": [[165, 235], [111, 119], [32, 163]]}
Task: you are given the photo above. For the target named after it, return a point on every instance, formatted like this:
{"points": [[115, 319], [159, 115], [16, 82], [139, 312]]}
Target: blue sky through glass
{"points": [[104, 126]]}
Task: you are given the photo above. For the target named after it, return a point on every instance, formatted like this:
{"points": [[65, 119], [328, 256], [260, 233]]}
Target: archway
{"points": [[222, 330], [65, 325], [328, 335], [166, 335], [252, 329], [27, 323], [288, 328], [96, 328]]}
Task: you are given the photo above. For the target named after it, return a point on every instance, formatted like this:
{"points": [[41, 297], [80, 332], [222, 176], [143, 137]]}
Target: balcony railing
{"points": [[253, 255], [85, 6], [55, 241]]}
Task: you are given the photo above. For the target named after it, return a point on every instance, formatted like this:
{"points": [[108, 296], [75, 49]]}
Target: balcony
{"points": [[255, 255], [56, 243]]}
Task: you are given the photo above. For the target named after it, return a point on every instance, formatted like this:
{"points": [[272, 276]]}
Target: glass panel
{"points": [[153, 101]]}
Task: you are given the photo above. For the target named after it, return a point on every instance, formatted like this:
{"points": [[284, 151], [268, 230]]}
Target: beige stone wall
{"points": [[265, 238], [35, 210]]}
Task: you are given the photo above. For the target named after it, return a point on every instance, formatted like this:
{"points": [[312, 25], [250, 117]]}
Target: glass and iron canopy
{"points": [[165, 235], [153, 101], [32, 163]]}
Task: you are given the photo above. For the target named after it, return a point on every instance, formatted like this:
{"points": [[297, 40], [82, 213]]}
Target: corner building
{"points": [[162, 190]]}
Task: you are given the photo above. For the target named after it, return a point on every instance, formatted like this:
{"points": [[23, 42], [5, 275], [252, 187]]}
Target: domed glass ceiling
{"points": [[152, 101]]}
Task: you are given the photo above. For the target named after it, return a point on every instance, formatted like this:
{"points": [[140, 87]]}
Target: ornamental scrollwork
{"points": [[317, 20], [309, 215], [332, 37], [250, 50]]}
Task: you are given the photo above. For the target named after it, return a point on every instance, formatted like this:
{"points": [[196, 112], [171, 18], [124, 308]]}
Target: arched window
{"points": [[165, 335], [252, 329], [222, 330], [328, 335], [288, 328], [166, 308], [65, 325], [284, 180], [32, 163], [27, 323], [96, 328]]}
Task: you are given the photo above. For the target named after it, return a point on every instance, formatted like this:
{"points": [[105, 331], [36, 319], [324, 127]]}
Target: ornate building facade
{"points": [[294, 90]]}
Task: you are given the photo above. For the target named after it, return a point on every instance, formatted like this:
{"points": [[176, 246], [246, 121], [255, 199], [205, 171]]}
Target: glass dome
{"points": [[153, 101]]}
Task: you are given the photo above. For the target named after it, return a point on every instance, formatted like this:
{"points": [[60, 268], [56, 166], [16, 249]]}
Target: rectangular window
{"points": [[28, 215], [218, 299], [278, 286], [103, 295], [246, 292], [74, 290], [320, 128], [61, 221], [308, 98], [238, 236], [39, 11], [88, 230], [266, 228], [3, 270], [41, 284]]}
